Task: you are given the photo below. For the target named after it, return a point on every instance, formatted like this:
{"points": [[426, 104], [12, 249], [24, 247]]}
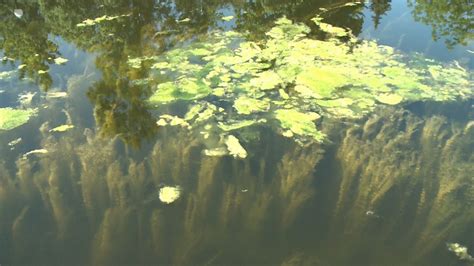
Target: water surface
{"points": [[392, 185]]}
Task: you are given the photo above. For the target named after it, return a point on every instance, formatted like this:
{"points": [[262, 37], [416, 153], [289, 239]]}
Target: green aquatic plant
{"points": [[245, 105], [12, 118], [460, 251], [185, 89], [289, 79], [92, 22], [169, 194], [235, 148], [301, 124], [7, 75], [62, 128]]}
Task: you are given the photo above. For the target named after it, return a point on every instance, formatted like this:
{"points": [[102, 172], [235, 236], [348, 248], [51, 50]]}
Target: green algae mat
{"points": [[12, 118], [289, 81]]}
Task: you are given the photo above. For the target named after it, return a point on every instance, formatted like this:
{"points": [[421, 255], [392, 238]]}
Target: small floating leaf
{"points": [[14, 142], [169, 194], [216, 152], [234, 147], [62, 128], [18, 13], [460, 251], [7, 74], [228, 18], [56, 94], [60, 61], [38, 151], [92, 22], [183, 20], [26, 98]]}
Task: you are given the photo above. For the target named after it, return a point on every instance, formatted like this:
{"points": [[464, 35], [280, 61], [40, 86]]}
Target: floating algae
{"points": [[169, 194], [60, 61], [460, 251], [12, 118], [235, 148], [280, 81], [62, 128], [92, 22]]}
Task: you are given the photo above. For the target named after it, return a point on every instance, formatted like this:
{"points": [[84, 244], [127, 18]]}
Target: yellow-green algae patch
{"points": [[391, 98], [185, 89], [92, 22], [246, 105], [299, 123], [232, 83], [169, 194], [62, 128], [12, 118]]}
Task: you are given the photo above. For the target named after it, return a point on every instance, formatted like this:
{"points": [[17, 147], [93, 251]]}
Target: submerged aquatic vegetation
{"points": [[11, 118], [290, 80]]}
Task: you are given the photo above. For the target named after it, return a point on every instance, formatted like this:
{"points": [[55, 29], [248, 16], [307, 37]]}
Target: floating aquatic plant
{"points": [[60, 61], [460, 251], [290, 80], [62, 128], [227, 18], [12, 118], [92, 22], [235, 148], [169, 194], [6, 75]]}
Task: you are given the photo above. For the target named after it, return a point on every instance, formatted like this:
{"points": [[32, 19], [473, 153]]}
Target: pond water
{"points": [[296, 132]]}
